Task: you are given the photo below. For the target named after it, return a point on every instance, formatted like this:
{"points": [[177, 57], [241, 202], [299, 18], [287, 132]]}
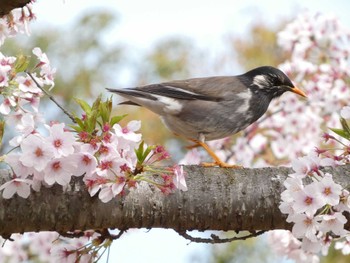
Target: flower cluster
{"points": [[314, 203], [316, 208], [109, 157], [284, 243], [16, 22], [51, 247]]}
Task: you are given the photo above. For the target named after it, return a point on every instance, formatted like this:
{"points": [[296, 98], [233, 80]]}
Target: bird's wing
{"points": [[210, 88]]}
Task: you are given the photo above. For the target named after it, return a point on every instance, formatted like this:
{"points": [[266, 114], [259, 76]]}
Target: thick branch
{"points": [[6, 6], [217, 199]]}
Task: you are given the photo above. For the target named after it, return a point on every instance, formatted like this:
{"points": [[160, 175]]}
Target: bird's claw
{"points": [[222, 165]]}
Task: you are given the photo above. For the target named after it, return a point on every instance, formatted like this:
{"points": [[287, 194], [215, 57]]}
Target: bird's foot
{"points": [[190, 147], [222, 165]]}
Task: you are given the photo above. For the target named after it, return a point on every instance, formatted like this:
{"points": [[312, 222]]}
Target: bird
{"points": [[210, 108]]}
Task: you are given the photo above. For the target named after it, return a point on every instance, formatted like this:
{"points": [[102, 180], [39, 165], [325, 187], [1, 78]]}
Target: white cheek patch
{"points": [[260, 81], [245, 96], [171, 105]]}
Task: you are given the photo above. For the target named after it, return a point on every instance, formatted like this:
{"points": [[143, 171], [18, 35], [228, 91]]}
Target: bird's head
{"points": [[271, 81]]}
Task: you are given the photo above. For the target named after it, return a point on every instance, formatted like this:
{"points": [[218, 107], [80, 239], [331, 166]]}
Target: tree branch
{"points": [[217, 199], [6, 6]]}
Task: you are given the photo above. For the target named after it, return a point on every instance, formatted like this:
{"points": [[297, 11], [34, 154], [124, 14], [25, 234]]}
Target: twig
{"points": [[51, 97], [214, 239]]}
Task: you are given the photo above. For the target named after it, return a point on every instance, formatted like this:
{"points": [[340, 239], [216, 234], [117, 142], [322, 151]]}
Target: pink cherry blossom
{"points": [[61, 140], [128, 132], [16, 185], [345, 112], [311, 246], [110, 190], [344, 246], [308, 200], [191, 157], [179, 178], [20, 170], [86, 164], [36, 152], [334, 223], [6, 105], [344, 202], [329, 190], [59, 170], [64, 253], [27, 85], [45, 68], [305, 226]]}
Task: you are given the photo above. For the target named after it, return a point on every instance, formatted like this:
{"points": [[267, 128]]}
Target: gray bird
{"points": [[204, 109]]}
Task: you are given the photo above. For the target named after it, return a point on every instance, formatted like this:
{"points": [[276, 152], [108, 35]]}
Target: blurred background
{"points": [[99, 44]]}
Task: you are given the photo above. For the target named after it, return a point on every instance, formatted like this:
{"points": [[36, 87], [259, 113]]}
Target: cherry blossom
{"points": [[45, 68], [344, 246], [36, 152], [6, 105], [86, 164], [179, 178], [128, 132], [20, 170], [308, 200], [330, 191], [305, 226], [111, 190], [345, 112], [16, 185], [59, 170], [191, 157], [61, 140], [334, 223]]}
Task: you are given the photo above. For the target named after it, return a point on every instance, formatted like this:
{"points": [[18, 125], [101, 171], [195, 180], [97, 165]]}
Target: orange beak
{"points": [[298, 91]]}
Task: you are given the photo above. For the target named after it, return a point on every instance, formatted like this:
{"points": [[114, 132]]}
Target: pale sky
{"points": [[142, 23]]}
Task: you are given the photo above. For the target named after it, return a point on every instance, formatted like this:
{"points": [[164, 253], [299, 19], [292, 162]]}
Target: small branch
{"points": [[214, 239], [51, 98], [105, 234]]}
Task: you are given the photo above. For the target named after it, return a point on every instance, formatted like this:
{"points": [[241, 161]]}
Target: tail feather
{"points": [[129, 103], [133, 93]]}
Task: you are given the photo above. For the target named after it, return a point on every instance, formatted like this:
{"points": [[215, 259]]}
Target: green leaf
{"points": [[2, 127], [104, 112], [92, 120], [146, 152], [341, 133], [345, 125], [139, 151], [21, 64], [80, 122], [76, 128], [142, 153], [116, 119], [84, 105], [96, 104]]}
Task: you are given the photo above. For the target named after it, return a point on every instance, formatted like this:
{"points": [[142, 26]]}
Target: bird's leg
{"points": [[217, 161], [195, 145]]}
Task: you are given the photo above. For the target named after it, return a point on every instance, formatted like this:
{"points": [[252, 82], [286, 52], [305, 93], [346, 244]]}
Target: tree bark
{"points": [[6, 6], [217, 199]]}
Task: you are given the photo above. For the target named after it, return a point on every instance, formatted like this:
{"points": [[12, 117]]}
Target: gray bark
{"points": [[217, 199]]}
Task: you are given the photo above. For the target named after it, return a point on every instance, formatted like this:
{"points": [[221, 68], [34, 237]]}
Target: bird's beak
{"points": [[298, 91]]}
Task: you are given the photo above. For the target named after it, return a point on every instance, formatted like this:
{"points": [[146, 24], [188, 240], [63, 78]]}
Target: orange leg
{"points": [[217, 161]]}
